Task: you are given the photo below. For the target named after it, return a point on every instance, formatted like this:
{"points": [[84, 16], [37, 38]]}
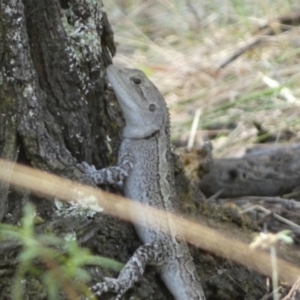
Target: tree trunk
{"points": [[52, 96]]}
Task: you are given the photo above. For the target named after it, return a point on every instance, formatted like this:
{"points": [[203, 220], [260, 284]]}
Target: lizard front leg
{"points": [[155, 253], [110, 175]]}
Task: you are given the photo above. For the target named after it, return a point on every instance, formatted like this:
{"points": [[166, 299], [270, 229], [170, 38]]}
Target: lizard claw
{"points": [[88, 171], [84, 167], [109, 285]]}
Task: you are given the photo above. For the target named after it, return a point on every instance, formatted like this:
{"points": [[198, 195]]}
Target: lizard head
{"points": [[143, 106]]}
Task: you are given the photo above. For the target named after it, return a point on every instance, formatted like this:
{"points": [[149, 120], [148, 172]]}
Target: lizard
{"points": [[145, 167]]}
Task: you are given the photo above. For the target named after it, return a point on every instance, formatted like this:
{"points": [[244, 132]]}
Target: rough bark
{"points": [[53, 113]]}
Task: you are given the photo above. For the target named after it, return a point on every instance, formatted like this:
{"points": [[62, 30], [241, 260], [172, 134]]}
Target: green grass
{"points": [[57, 263]]}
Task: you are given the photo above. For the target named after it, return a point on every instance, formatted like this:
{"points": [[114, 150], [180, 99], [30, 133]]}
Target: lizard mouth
{"points": [[154, 134]]}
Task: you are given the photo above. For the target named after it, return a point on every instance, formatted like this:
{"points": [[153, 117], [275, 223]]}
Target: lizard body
{"points": [[145, 165]]}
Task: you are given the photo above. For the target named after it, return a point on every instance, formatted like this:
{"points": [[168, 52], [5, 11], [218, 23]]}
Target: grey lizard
{"points": [[145, 166]]}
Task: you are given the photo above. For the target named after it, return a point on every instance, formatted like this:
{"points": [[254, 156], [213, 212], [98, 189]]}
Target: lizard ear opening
{"points": [[152, 107], [136, 80]]}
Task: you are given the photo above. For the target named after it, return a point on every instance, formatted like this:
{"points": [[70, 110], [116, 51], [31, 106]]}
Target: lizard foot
{"points": [[110, 175], [111, 285]]}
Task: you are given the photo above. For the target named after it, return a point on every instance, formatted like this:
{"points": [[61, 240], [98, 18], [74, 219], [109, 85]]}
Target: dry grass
{"points": [[180, 44]]}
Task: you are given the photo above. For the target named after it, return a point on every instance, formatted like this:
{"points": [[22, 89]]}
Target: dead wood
{"points": [[266, 171]]}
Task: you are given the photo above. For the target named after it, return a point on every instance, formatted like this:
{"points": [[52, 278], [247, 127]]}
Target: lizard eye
{"points": [[136, 80], [152, 107]]}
